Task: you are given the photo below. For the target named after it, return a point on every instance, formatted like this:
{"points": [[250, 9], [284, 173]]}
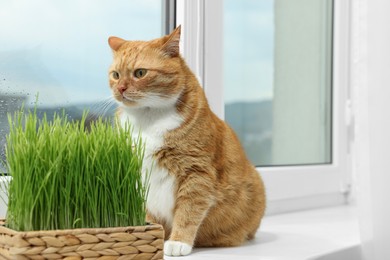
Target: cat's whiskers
{"points": [[102, 107]]}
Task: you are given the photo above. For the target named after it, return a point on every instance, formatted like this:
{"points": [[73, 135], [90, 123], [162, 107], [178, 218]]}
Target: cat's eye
{"points": [[115, 75], [140, 73]]}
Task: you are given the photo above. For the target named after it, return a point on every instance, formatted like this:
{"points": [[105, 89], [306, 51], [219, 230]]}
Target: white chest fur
{"points": [[152, 124]]}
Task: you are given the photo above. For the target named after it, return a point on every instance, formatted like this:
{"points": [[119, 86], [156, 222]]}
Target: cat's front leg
{"points": [[192, 204]]}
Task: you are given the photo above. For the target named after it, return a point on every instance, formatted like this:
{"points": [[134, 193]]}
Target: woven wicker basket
{"points": [[141, 242]]}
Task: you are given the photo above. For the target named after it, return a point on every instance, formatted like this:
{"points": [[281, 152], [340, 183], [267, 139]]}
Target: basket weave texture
{"points": [[140, 242]]}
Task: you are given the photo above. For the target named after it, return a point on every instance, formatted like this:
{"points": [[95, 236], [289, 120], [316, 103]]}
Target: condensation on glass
{"points": [[278, 79]]}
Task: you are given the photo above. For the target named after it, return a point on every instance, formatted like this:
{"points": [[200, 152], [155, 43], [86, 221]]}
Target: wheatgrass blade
{"points": [[64, 176]]}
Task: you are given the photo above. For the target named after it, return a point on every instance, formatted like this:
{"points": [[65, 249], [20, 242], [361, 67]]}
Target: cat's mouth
{"points": [[129, 99], [141, 99]]}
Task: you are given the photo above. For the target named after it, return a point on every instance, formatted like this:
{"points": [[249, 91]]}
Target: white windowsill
{"points": [[330, 233], [321, 234]]}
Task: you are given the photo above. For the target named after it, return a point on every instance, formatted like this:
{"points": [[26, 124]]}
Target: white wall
{"points": [[371, 86]]}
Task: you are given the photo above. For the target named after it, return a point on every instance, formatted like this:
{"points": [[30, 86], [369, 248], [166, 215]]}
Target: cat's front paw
{"points": [[176, 248]]}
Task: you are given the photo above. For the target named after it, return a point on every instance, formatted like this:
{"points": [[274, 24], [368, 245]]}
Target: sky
{"points": [[248, 50], [59, 48]]}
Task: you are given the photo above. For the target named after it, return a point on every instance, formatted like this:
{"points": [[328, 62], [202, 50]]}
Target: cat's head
{"points": [[146, 73]]}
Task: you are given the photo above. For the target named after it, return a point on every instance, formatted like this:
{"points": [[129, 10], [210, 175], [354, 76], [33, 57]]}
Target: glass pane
{"points": [[59, 49], [277, 79]]}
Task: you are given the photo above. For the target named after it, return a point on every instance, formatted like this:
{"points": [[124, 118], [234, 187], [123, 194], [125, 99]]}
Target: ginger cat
{"points": [[203, 189]]}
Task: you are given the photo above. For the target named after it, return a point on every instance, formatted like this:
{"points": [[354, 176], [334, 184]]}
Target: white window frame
{"points": [[288, 188]]}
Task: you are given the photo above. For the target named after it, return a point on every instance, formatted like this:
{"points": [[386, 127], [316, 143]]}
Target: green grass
{"points": [[64, 176]]}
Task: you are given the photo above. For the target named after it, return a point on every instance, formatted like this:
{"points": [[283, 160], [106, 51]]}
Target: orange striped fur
{"points": [[204, 190]]}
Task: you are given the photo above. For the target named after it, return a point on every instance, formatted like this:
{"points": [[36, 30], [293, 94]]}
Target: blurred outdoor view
{"points": [[59, 50], [277, 79], [248, 74]]}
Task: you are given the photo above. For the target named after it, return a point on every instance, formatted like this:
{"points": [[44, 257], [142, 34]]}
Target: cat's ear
{"points": [[171, 45], [115, 43]]}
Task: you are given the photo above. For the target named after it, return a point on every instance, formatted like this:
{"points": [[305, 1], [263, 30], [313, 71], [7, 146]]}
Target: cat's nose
{"points": [[122, 88]]}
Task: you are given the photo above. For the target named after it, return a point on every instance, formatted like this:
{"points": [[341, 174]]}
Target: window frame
{"points": [[288, 188]]}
